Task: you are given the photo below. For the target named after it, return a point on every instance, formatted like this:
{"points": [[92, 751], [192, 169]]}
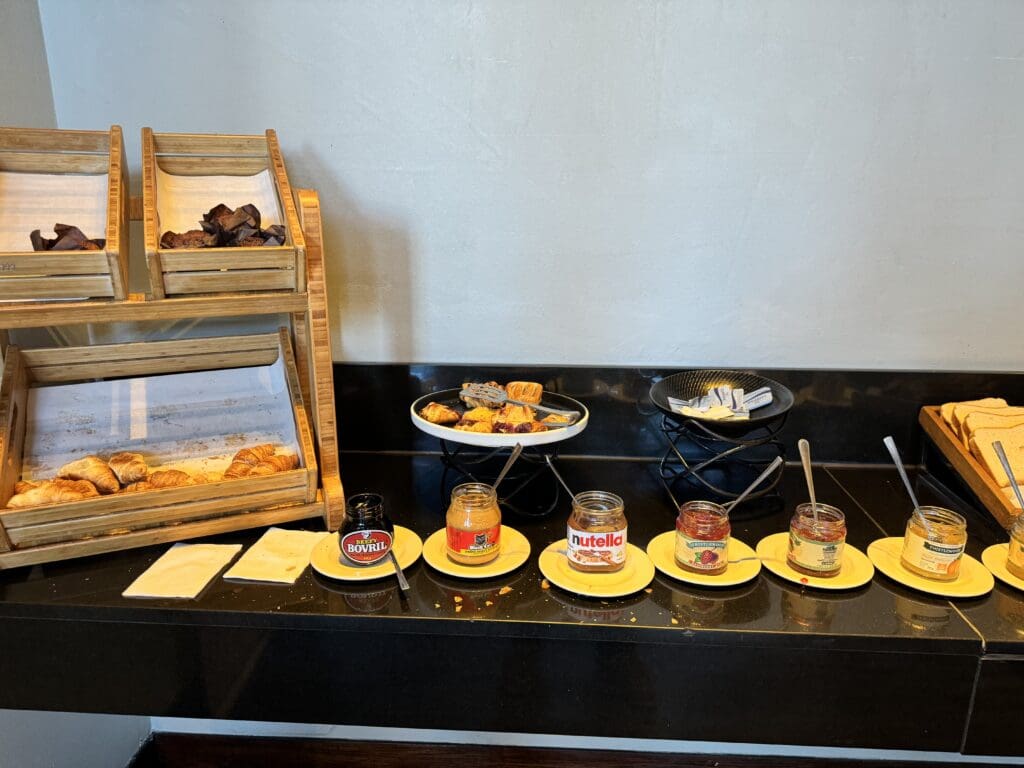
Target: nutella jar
{"points": [[596, 534]]}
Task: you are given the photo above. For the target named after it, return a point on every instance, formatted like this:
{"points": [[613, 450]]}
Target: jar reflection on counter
{"points": [[596, 533], [933, 547], [473, 524], [702, 538], [816, 541]]}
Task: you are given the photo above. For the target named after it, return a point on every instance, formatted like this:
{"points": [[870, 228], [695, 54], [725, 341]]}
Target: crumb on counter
{"points": [[457, 599], [488, 603], [504, 590], [675, 620], [648, 590], [458, 608], [545, 584]]}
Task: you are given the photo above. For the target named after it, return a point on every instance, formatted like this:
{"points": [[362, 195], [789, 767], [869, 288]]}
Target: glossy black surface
{"points": [[845, 665], [843, 413]]}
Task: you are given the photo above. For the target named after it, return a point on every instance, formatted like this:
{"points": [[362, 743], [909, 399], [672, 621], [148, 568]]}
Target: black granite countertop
{"points": [[766, 611]]}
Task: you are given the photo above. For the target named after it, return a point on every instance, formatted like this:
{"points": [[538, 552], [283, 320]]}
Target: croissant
{"points": [[169, 478], [247, 458], [95, 470], [128, 467], [142, 485], [24, 485], [436, 413], [282, 462], [54, 492], [526, 391]]}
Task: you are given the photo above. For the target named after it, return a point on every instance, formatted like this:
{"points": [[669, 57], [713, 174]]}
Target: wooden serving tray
{"points": [[27, 275], [970, 469]]}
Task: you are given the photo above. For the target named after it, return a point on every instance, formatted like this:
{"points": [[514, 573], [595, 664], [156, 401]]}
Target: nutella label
{"points": [[699, 554], [932, 556], [590, 548], [366, 547], [474, 543], [813, 555]]}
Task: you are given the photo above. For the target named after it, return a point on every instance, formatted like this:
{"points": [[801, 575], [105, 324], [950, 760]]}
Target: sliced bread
{"points": [[946, 410], [962, 411], [984, 420], [1012, 439]]}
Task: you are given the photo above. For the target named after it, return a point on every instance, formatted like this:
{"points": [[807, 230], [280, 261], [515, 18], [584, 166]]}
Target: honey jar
{"points": [[473, 524], [702, 538], [1015, 558], [596, 533], [816, 541], [935, 547]]}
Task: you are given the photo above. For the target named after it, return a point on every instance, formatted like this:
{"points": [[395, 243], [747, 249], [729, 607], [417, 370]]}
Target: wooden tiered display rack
{"points": [[308, 334]]}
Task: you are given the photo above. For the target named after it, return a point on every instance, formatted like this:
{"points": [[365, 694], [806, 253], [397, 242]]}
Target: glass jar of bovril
{"points": [[934, 543], [366, 533]]}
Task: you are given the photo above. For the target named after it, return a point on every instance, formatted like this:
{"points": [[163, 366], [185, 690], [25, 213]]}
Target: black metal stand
{"points": [[529, 489], [711, 450]]}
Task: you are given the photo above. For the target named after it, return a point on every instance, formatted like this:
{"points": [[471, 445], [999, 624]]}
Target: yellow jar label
{"points": [[813, 555], [931, 556], [1016, 557]]}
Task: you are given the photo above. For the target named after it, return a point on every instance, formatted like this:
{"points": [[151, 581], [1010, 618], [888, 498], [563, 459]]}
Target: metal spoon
{"points": [[558, 477], [894, 452], [805, 459], [760, 479], [998, 448], [402, 582], [508, 465]]}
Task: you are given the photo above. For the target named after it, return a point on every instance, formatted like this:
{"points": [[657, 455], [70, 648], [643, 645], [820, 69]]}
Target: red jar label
{"points": [[473, 543], [366, 547]]}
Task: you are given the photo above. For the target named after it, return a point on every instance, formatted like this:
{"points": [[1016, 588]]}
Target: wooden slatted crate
{"points": [[34, 276], [185, 271], [119, 521]]}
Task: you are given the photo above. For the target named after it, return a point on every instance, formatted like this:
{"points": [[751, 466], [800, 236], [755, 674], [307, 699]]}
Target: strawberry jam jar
{"points": [[702, 538], [816, 542]]}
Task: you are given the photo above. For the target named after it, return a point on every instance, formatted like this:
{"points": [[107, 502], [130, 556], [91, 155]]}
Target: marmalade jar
{"points": [[816, 545], [596, 534], [1015, 558], [473, 524], [702, 538], [934, 552]]}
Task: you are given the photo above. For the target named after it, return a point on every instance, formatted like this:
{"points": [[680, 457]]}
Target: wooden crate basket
{"points": [[120, 521], [27, 275], [187, 271], [967, 466]]}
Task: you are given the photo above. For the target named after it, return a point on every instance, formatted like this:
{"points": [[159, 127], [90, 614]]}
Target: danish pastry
{"points": [[525, 391], [436, 413], [476, 402], [474, 426]]}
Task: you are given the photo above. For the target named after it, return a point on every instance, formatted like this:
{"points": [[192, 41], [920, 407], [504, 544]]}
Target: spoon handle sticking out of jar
{"points": [[508, 465], [894, 452], [558, 476], [998, 448], [805, 459], [760, 479], [402, 582]]}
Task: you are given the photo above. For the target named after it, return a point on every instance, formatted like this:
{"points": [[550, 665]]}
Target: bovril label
{"points": [[589, 548], [366, 547]]}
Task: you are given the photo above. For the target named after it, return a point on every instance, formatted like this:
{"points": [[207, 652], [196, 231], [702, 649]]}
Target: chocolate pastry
{"points": [[223, 227], [68, 238]]}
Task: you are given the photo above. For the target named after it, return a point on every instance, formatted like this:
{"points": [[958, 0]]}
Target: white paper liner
{"points": [[190, 421], [181, 201], [39, 200]]}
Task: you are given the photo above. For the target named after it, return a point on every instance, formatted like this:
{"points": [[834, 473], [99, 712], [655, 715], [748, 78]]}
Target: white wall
{"points": [[785, 183], [26, 99]]}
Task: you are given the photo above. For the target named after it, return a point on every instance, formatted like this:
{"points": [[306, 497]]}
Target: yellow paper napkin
{"points": [[279, 556], [183, 570]]}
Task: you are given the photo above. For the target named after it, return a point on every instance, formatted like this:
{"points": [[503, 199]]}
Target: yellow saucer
{"points": [[744, 564], [994, 558], [325, 558], [514, 551], [974, 579], [636, 574], [856, 570]]}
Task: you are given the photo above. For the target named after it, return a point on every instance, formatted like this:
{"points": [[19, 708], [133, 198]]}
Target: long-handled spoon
{"points": [[805, 459], [558, 477], [402, 582], [998, 448], [760, 479], [894, 452], [508, 465]]}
